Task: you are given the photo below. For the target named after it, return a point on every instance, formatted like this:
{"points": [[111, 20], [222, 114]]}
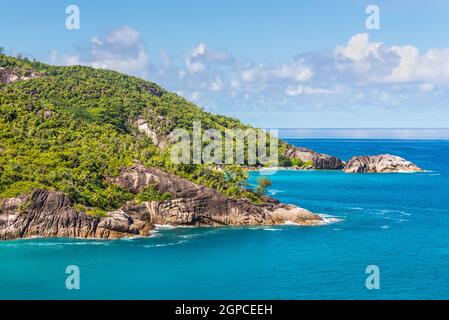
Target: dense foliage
{"points": [[72, 128], [262, 184]]}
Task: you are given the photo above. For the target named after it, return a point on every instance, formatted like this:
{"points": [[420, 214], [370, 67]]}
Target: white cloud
{"points": [[195, 96], [295, 71], [124, 36], [432, 66], [427, 87], [359, 73], [379, 63], [216, 85], [198, 58], [121, 50], [234, 83], [294, 91], [359, 48]]}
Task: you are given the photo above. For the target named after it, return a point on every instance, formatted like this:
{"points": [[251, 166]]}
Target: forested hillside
{"points": [[72, 128]]}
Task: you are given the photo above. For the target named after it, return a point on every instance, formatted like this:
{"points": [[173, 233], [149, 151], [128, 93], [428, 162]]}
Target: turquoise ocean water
{"points": [[399, 222]]}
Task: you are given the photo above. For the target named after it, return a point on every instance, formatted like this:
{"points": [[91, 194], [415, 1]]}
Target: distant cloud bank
{"points": [[353, 77]]}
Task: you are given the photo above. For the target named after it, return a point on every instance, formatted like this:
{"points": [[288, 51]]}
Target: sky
{"points": [[276, 64]]}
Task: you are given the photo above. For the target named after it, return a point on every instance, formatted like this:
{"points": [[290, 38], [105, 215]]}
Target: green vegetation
{"points": [[262, 184], [97, 213], [152, 194], [305, 164], [24, 206], [73, 128]]}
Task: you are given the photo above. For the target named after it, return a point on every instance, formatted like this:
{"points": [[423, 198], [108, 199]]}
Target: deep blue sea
{"points": [[398, 222]]}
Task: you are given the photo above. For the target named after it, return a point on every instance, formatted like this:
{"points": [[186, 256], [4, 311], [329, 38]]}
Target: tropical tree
{"points": [[262, 184]]}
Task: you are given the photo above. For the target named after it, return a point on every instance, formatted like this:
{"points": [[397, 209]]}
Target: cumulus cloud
{"points": [[121, 49], [432, 66], [401, 64], [359, 48], [216, 85], [358, 73], [295, 71], [298, 90], [199, 57]]}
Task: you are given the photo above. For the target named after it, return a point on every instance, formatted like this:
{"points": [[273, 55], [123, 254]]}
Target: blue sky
{"points": [[287, 64]]}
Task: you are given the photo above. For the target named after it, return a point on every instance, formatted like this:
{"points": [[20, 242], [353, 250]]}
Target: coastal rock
{"points": [[50, 213], [10, 210], [144, 127], [381, 163], [8, 75], [196, 205], [319, 161]]}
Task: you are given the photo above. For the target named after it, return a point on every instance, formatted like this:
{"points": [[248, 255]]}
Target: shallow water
{"points": [[398, 222]]}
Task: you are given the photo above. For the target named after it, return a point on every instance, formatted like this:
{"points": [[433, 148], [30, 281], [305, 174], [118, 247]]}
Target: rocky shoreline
{"points": [[51, 214], [46, 213]]}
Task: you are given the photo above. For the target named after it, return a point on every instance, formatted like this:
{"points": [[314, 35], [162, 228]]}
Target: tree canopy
{"points": [[72, 128]]}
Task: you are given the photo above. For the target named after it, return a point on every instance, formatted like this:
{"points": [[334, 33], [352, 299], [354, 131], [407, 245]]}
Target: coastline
{"points": [[52, 214], [306, 255]]}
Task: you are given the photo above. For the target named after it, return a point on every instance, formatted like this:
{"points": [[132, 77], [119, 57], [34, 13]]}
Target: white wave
{"points": [[154, 234], [405, 171], [130, 239], [271, 229], [164, 226], [170, 227], [388, 211], [328, 219], [291, 223], [189, 236], [275, 192], [42, 244], [385, 227], [60, 244], [160, 245]]}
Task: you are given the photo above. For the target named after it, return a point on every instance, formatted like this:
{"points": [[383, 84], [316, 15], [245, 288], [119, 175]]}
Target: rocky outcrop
{"points": [[319, 161], [197, 205], [50, 213], [8, 75], [381, 163], [158, 140]]}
